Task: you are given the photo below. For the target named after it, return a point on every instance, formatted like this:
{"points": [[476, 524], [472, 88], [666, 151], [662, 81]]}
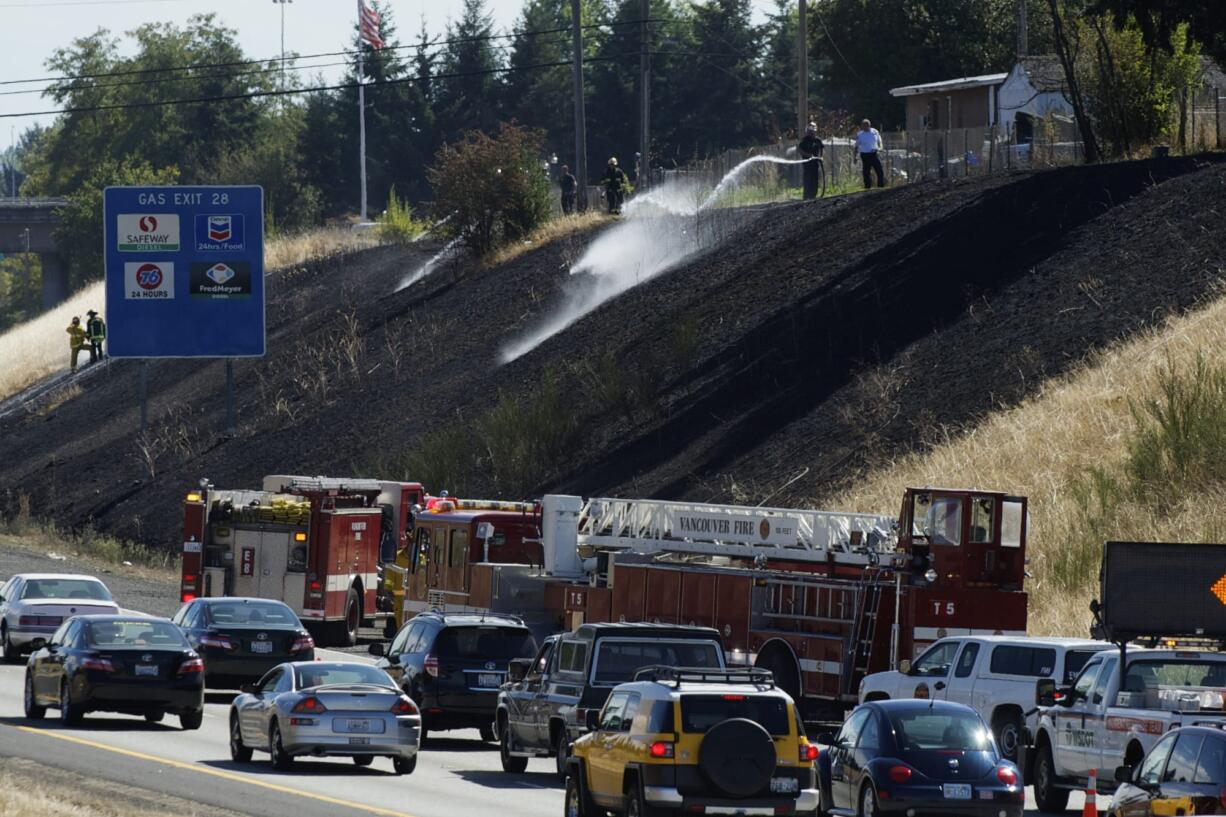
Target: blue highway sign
{"points": [[184, 271]]}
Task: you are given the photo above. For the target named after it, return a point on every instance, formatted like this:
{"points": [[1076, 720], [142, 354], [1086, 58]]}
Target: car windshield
{"points": [[262, 613], [315, 675], [134, 633], [1175, 684], [700, 712], [920, 729], [84, 589], [618, 661], [485, 643]]}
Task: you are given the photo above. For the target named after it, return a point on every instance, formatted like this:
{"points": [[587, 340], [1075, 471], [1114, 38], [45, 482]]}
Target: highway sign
{"points": [[184, 271]]}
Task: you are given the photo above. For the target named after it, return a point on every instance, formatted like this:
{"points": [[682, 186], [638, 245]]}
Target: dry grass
{"points": [[38, 348], [552, 230], [29, 789], [1048, 448]]}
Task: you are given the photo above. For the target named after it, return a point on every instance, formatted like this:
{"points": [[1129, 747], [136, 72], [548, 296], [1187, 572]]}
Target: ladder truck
{"points": [[819, 598]]}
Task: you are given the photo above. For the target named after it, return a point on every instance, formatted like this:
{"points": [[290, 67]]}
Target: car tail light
{"points": [[41, 621], [661, 749], [808, 752], [97, 663], [734, 697], [1006, 775], [186, 597], [310, 705], [900, 774], [432, 665], [191, 665], [301, 643], [404, 706], [221, 642]]}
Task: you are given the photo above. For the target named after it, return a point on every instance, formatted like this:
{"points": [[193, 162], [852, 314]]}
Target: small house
{"points": [[1034, 89], [969, 102]]}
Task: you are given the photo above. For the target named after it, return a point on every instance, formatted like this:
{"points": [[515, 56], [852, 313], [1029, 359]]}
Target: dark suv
{"points": [[452, 665], [544, 706]]}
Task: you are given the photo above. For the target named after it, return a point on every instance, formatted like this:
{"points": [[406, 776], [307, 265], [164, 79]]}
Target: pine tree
{"points": [[467, 94]]}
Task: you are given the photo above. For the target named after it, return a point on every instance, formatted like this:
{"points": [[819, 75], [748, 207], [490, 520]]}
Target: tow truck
{"points": [[1164, 607]]}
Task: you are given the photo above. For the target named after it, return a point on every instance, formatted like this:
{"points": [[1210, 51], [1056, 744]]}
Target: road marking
{"points": [[237, 778]]}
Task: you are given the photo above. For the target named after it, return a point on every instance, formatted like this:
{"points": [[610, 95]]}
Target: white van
{"points": [[995, 674]]}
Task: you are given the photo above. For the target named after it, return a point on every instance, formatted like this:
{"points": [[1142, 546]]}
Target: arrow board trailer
{"points": [[184, 271], [1155, 590]]}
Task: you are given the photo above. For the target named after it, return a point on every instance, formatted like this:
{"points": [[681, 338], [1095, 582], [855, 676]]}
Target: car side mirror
{"points": [[248, 689], [39, 643], [904, 666], [377, 649], [826, 739], [1123, 774], [518, 669], [1045, 692], [592, 720]]}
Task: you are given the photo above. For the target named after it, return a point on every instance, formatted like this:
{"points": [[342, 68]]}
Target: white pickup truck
{"points": [[995, 674], [1108, 718]]}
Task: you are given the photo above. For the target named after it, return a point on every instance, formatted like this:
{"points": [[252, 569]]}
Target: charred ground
{"points": [[812, 343]]}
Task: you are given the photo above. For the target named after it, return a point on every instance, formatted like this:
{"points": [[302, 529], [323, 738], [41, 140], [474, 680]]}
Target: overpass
{"points": [[28, 225]]}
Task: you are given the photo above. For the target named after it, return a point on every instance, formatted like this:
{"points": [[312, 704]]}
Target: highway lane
{"points": [[458, 774]]}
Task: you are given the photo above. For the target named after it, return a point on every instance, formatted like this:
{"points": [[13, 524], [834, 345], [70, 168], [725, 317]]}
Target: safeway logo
{"points": [[147, 232]]}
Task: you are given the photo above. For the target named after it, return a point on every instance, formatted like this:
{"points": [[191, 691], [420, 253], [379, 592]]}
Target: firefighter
{"points": [[810, 149], [868, 144], [76, 339], [95, 330], [568, 184], [614, 186]]}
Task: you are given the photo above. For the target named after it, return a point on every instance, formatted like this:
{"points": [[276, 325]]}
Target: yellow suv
{"points": [[693, 741]]}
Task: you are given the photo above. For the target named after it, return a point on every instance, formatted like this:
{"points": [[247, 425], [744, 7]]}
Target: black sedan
{"points": [[108, 663], [241, 639], [1183, 774], [912, 758]]}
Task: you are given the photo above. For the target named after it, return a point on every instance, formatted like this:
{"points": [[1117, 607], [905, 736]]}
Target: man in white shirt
{"points": [[868, 143]]}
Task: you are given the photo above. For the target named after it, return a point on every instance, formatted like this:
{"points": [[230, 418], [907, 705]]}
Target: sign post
{"points": [[185, 273]]}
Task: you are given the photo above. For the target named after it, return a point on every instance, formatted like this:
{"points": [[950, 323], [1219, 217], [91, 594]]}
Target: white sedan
{"points": [[33, 605]]}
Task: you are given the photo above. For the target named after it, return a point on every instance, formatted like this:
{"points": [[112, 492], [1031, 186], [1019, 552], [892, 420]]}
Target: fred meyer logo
{"points": [[224, 279], [149, 232], [219, 233], [145, 280]]}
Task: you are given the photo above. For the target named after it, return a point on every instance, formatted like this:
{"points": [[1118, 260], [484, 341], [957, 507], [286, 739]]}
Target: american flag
{"points": [[368, 25]]}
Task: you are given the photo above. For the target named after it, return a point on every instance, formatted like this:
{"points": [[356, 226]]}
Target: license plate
{"points": [[146, 669], [261, 646], [957, 791], [489, 680], [784, 785], [358, 726], [359, 741]]}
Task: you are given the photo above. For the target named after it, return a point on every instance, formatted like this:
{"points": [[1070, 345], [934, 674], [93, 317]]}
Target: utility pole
{"points": [[645, 96], [361, 119], [12, 159], [1023, 34], [580, 128], [802, 67]]}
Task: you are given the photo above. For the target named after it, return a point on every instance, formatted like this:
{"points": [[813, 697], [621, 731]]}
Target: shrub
{"points": [[397, 225], [490, 190]]}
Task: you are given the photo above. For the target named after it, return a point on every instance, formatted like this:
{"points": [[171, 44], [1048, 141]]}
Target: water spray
{"points": [[428, 267]]}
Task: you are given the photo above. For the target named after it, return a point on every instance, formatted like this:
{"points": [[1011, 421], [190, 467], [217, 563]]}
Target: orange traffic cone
{"points": [[1090, 809]]}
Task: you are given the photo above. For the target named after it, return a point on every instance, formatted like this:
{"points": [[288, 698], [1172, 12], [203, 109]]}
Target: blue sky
{"points": [[31, 29]]}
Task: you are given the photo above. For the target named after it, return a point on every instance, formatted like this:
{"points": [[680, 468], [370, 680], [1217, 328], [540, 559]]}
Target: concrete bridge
{"points": [[28, 225]]}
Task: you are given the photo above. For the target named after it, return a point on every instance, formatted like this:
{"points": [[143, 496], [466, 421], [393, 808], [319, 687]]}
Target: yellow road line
{"points": [[194, 767]]}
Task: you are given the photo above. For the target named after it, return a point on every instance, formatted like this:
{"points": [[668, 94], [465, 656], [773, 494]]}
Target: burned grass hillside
{"points": [[815, 342]]}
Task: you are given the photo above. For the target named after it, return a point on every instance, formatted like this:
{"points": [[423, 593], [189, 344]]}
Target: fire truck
{"points": [[316, 543], [819, 598]]}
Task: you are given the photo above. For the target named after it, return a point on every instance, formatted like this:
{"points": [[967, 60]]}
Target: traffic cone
{"points": [[1090, 809]]}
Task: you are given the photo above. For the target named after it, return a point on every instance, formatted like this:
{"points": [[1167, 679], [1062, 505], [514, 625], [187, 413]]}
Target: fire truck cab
{"points": [[314, 543]]}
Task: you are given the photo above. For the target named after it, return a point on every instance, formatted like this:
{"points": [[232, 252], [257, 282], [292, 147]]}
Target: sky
{"points": [[30, 30]]}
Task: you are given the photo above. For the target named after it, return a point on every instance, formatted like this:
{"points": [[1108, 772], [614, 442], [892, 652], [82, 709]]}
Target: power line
{"points": [[346, 52], [315, 89]]}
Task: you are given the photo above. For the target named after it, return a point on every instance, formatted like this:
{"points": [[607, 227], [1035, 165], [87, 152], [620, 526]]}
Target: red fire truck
{"points": [[318, 544], [820, 598]]}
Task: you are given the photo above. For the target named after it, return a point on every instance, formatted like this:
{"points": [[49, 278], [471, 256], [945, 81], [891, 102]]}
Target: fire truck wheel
{"points": [[347, 630], [1048, 796]]}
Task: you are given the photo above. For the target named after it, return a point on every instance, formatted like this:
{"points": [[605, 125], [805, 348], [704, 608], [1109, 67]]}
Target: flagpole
{"points": [[361, 115]]}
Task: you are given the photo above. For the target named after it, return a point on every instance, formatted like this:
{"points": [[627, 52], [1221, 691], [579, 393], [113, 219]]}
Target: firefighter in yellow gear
{"points": [[76, 339]]}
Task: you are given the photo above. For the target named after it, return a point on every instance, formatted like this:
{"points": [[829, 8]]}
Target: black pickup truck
{"points": [[543, 706]]}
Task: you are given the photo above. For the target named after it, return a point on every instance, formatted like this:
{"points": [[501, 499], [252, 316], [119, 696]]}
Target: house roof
{"points": [[1211, 74], [1044, 72], [961, 84]]}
